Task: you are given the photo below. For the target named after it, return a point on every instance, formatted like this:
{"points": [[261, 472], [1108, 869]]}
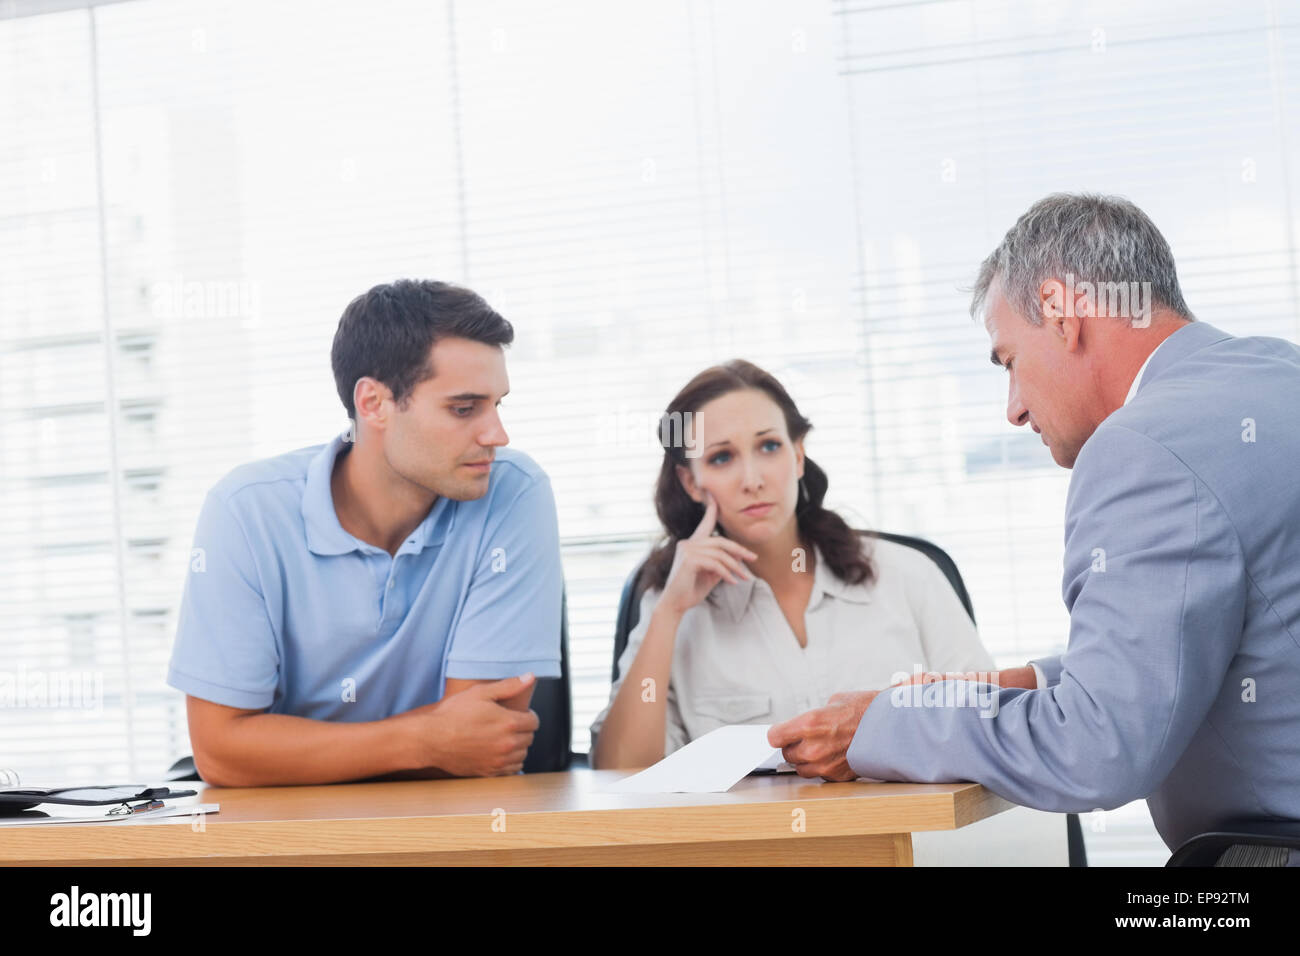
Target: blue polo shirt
{"points": [[285, 611]]}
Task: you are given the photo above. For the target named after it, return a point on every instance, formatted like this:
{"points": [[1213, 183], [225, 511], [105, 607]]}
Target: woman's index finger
{"points": [[710, 519]]}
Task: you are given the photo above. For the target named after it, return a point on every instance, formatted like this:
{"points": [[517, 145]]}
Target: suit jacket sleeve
{"points": [[1156, 588], [1050, 668]]}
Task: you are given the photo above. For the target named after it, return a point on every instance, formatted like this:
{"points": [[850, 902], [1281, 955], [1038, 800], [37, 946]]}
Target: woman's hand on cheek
{"points": [[702, 560]]}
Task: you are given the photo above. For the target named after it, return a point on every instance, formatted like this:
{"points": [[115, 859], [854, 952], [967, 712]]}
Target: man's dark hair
{"points": [[387, 333]]}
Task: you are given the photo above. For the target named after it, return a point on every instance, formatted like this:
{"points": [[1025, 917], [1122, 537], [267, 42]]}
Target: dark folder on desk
{"points": [[14, 799]]}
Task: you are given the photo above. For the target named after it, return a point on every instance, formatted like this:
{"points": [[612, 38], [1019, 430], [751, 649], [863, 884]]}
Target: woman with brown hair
{"points": [[760, 603]]}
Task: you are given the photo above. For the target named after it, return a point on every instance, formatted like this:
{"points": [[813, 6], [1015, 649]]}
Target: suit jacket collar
{"points": [[1188, 340]]}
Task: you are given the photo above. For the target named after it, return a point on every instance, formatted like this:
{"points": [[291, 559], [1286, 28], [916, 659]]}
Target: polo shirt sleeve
{"points": [[510, 620], [225, 648]]}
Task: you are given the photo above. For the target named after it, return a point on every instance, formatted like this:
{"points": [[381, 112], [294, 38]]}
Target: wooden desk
{"points": [[538, 819]]}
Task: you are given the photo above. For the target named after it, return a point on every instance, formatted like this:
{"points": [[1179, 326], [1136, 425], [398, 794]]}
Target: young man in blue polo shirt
{"points": [[379, 606]]}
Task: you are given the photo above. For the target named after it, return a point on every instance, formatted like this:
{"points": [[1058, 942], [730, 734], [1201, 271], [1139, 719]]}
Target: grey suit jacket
{"points": [[1181, 679]]}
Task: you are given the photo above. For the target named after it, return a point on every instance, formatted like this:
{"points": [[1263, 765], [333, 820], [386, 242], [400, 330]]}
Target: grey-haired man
{"points": [[1182, 551]]}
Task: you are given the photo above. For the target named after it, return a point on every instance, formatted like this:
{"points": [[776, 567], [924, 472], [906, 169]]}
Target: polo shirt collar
{"points": [[325, 536], [735, 598]]}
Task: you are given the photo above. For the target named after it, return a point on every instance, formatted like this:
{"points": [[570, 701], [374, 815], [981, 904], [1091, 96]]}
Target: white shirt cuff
{"points": [[1039, 677]]}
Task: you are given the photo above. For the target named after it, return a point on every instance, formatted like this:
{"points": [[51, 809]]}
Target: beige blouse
{"points": [[736, 660]]}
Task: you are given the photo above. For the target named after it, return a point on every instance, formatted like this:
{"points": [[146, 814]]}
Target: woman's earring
{"points": [[803, 493]]}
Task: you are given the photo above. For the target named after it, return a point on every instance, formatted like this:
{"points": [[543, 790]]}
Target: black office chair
{"points": [[552, 747], [629, 612], [1241, 843]]}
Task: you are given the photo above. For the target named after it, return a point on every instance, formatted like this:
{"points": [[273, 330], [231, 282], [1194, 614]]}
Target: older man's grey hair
{"points": [[1097, 239]]}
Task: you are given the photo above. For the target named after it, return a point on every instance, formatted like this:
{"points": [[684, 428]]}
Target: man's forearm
{"points": [[258, 750], [424, 773]]}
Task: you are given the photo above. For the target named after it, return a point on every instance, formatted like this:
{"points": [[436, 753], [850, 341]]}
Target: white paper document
{"points": [[713, 763]]}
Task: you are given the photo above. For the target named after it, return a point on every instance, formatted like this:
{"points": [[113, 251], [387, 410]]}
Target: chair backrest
{"points": [[1242, 843], [629, 605], [552, 747]]}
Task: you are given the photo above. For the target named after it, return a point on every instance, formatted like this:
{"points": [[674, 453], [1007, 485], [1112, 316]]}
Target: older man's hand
{"points": [[816, 743]]}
